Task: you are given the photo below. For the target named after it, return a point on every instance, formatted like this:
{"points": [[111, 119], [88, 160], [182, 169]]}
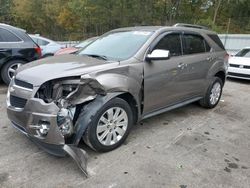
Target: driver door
{"points": [[162, 84]]}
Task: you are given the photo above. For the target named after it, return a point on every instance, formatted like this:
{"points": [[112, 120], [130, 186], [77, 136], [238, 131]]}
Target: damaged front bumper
{"points": [[37, 116]]}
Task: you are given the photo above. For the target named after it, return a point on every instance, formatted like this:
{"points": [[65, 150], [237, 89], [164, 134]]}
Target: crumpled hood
{"points": [[40, 71]]}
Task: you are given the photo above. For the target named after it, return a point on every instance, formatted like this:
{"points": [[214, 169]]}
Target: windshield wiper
{"points": [[103, 57]]}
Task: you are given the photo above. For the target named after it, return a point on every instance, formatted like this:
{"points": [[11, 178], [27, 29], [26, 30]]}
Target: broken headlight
{"points": [[56, 90], [65, 120]]}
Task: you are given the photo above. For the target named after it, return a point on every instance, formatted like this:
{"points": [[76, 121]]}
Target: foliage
{"points": [[79, 19]]}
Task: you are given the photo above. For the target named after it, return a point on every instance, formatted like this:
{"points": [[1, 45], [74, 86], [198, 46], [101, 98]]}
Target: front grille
{"points": [[238, 66], [23, 84], [246, 66], [239, 75], [17, 101]]}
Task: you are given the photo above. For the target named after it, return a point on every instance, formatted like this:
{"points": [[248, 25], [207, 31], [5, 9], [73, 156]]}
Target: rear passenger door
{"points": [[197, 60]]}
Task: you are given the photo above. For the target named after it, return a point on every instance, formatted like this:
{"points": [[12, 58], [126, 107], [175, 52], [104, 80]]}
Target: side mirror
{"points": [[158, 55]]}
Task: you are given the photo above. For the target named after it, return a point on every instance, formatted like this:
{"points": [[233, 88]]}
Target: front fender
{"points": [[87, 114]]}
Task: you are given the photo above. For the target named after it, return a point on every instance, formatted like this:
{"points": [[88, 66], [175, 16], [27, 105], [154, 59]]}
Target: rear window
{"points": [[41, 42], [7, 36], [217, 40]]}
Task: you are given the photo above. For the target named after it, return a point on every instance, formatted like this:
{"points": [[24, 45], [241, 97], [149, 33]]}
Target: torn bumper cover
{"points": [[38, 121]]}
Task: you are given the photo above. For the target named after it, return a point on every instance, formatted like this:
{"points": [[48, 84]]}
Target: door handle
{"points": [[209, 58], [182, 65]]}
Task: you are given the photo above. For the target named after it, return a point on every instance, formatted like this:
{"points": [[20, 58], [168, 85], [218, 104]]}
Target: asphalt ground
{"points": [[187, 147]]}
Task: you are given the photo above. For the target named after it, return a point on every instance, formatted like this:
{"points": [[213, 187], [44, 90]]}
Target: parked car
{"points": [[76, 48], [239, 64], [49, 47], [125, 76], [16, 48]]}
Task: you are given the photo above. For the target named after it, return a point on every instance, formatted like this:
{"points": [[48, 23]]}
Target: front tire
{"points": [[213, 94], [110, 126]]}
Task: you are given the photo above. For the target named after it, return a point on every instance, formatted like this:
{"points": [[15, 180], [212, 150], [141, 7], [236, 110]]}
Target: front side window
{"points": [[172, 43], [118, 45], [194, 44], [7, 36]]}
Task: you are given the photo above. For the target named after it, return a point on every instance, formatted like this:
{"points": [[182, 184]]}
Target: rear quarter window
{"points": [[217, 40], [7, 36]]}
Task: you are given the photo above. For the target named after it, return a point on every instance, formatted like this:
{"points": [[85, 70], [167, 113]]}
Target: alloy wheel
{"points": [[215, 93], [12, 69], [112, 126]]}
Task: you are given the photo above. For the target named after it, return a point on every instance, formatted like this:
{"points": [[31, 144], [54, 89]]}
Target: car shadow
{"points": [[238, 80]]}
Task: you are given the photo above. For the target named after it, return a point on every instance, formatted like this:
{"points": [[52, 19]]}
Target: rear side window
{"points": [[217, 40], [194, 44], [41, 42], [171, 42], [7, 36]]}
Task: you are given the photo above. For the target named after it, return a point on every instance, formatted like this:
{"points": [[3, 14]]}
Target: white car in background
{"points": [[239, 64], [49, 47]]}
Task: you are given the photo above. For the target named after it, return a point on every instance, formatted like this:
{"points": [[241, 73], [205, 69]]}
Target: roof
{"points": [[40, 37], [11, 27]]}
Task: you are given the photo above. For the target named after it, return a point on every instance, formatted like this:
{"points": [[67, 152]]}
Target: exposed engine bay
{"points": [[68, 94]]}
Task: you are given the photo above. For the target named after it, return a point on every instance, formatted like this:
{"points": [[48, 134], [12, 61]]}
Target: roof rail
{"points": [[13, 27], [191, 25]]}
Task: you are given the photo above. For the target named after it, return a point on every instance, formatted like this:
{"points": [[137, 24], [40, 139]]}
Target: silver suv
{"points": [[123, 77]]}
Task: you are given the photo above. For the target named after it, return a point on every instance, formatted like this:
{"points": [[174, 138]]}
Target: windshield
{"points": [[117, 46], [84, 43], [243, 53]]}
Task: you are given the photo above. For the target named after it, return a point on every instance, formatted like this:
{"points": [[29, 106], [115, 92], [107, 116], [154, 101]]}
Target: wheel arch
{"points": [[128, 97], [217, 69], [221, 75], [90, 109]]}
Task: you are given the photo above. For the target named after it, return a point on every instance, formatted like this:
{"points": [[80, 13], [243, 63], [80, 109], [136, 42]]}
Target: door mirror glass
{"points": [[159, 55]]}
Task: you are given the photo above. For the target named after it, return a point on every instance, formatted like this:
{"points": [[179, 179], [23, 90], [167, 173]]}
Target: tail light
{"points": [[38, 51], [226, 57]]}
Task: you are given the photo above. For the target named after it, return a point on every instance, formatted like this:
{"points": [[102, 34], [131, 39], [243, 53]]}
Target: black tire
{"points": [[205, 102], [90, 135], [4, 72]]}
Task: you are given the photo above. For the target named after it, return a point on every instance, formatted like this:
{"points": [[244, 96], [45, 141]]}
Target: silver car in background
{"points": [[49, 47]]}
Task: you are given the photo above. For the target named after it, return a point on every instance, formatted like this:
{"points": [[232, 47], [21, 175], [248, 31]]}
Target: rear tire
{"points": [[213, 94], [9, 69], [110, 126]]}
